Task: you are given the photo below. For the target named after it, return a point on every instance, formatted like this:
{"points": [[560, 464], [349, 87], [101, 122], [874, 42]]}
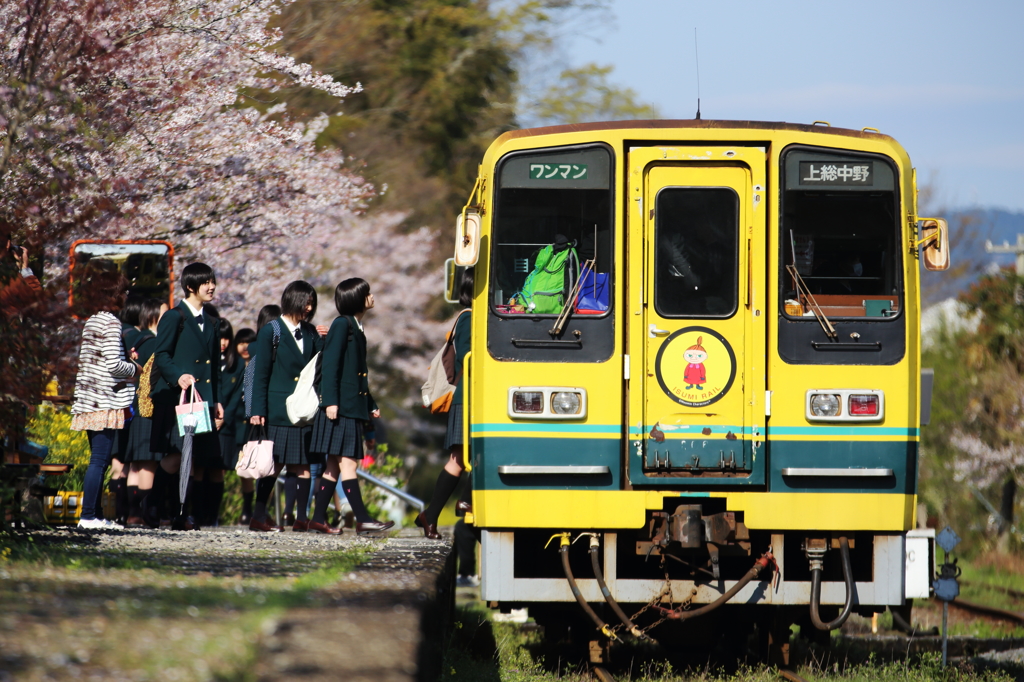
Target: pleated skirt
{"points": [[454, 435], [291, 444], [341, 437], [228, 451], [139, 435]]}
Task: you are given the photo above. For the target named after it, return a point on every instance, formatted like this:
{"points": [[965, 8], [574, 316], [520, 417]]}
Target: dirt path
{"points": [[224, 604]]}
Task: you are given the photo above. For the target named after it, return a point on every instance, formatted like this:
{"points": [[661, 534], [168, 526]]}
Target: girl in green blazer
{"points": [[187, 356], [274, 379], [345, 404], [448, 479]]}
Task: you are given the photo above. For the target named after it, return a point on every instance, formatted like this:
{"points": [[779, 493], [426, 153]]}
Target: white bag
{"points": [[303, 403], [439, 388]]}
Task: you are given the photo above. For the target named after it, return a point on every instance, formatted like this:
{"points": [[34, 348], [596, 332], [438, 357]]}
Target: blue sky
{"points": [[946, 79]]}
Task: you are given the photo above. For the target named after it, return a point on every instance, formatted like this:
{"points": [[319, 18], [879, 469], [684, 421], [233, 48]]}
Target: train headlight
{"points": [[527, 402], [825, 405], [565, 402], [845, 405]]}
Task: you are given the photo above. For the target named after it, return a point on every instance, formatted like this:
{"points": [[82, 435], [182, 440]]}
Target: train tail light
{"points": [[527, 402], [863, 405]]}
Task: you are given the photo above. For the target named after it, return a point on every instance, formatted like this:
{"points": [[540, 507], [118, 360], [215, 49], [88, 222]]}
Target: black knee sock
{"points": [[324, 494], [134, 501], [467, 490], [355, 500], [215, 492], [291, 489], [443, 489], [119, 487], [161, 487], [247, 502], [264, 489], [304, 485]]}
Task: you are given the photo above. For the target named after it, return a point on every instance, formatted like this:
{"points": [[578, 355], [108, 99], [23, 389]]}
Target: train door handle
{"points": [[654, 331]]}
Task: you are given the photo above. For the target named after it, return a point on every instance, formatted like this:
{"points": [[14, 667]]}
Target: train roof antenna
{"points": [[696, 56]]}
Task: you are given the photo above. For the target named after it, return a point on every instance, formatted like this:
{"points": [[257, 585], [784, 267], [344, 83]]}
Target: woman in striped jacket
{"points": [[104, 387]]}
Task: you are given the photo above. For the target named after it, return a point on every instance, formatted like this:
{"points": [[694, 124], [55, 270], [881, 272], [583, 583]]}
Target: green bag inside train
{"points": [[554, 274]]}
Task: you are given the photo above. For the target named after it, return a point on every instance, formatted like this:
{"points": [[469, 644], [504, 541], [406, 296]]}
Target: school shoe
{"points": [[373, 527], [300, 526], [184, 523], [263, 526], [464, 507], [429, 529], [467, 581], [135, 522], [288, 520], [316, 527]]}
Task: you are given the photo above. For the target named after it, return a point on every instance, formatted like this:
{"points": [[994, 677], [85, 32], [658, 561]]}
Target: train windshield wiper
{"points": [[802, 290]]}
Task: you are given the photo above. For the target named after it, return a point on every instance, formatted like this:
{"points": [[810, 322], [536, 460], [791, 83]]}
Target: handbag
{"points": [[194, 413], [304, 402], [257, 458]]}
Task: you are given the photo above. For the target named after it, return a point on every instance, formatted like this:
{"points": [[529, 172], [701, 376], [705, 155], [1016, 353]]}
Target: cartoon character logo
{"points": [[695, 366], [695, 375]]}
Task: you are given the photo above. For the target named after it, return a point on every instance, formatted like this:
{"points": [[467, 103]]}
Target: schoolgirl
{"points": [[448, 479], [141, 461], [345, 404], [273, 381], [243, 338], [104, 386], [187, 356], [210, 478], [118, 484]]}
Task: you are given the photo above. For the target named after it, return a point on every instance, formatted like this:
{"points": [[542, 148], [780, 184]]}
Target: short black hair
{"points": [[350, 296], [225, 331], [466, 288], [244, 335], [132, 310], [296, 297], [267, 313], [149, 313], [196, 275]]}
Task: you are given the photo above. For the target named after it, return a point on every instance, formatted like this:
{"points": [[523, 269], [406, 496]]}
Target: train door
{"points": [[701, 232]]}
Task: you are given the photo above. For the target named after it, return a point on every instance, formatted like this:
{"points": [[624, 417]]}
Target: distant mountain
{"points": [[969, 228]]}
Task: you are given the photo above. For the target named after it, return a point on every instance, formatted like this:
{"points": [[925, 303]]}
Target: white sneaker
{"points": [[112, 525], [467, 581], [92, 524]]}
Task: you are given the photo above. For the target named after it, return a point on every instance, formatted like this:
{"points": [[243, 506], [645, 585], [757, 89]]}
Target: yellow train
{"points": [[696, 345]]}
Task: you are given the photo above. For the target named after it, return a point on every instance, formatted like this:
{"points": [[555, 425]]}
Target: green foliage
{"points": [[390, 469], [586, 94]]}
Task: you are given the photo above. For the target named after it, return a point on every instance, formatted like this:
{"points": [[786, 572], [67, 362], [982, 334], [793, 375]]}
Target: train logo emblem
{"points": [[695, 366]]}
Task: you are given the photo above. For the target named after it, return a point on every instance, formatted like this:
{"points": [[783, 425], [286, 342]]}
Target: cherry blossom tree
{"points": [[140, 119]]}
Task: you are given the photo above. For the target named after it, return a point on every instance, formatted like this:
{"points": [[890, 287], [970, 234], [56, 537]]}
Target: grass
{"points": [[68, 612]]}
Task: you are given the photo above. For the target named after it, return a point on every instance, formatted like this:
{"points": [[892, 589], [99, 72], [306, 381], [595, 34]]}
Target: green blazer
{"points": [[271, 386], [231, 397], [343, 372], [193, 351], [463, 329]]}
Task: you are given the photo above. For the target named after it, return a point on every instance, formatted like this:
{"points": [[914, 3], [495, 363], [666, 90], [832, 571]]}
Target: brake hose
{"points": [[678, 613], [633, 629], [817, 563], [563, 550]]}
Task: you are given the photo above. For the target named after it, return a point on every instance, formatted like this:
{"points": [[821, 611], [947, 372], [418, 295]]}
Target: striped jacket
{"points": [[102, 369]]}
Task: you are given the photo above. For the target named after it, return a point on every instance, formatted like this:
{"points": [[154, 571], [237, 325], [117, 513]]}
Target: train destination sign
{"points": [[836, 174], [558, 171]]}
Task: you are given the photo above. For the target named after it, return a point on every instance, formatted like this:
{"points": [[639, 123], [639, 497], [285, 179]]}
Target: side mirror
{"points": [[467, 238], [933, 245], [452, 280]]}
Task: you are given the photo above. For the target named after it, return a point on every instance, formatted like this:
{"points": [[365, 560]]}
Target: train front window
{"points": [[552, 246], [839, 236]]}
